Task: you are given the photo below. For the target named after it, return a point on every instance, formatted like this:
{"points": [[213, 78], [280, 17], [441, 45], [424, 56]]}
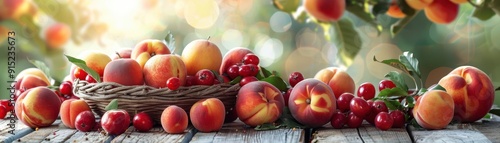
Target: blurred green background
{"points": [[282, 43]]}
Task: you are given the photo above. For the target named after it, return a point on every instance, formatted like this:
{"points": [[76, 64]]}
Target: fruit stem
{"points": [[120, 57]]}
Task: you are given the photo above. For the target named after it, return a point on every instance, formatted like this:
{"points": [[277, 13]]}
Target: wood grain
{"points": [[370, 133], [155, 135], [41, 134], [329, 135], [19, 130], [453, 133]]}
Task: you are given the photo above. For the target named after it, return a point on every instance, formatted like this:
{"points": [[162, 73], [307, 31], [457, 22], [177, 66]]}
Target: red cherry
{"points": [[3, 111], [90, 79], [359, 107], [204, 77], [142, 122], [251, 59], [254, 69], [353, 121], [173, 83], [232, 71], [80, 74], [366, 91], [85, 121], [344, 101], [66, 88], [383, 121], [286, 96], [383, 84], [399, 118], [295, 78], [247, 80], [190, 80], [339, 119], [245, 70], [376, 107], [7, 104]]}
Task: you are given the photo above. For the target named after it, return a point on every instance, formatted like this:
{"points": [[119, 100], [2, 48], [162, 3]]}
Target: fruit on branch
{"points": [[160, 68], [312, 103], [147, 49], [337, 79], [207, 115], [442, 11], [115, 122], [124, 71], [201, 54], [70, 109], [259, 102], [394, 10], [57, 35], [233, 57], [472, 92], [95, 60], [174, 120], [325, 10], [434, 110], [38, 107], [418, 4]]}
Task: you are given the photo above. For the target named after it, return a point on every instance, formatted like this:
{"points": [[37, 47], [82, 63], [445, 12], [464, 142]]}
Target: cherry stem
{"points": [[120, 57]]}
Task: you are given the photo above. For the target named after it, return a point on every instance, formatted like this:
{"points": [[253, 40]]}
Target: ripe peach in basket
{"points": [[38, 107], [259, 102], [160, 68], [174, 120], [124, 71], [147, 49], [95, 60], [337, 79], [207, 115], [70, 109], [201, 54], [472, 91]]}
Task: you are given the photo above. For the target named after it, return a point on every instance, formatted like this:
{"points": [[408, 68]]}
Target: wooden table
{"points": [[238, 132]]}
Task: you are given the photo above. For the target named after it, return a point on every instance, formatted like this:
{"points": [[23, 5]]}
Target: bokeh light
{"points": [[435, 75], [382, 51], [201, 13], [232, 38], [280, 22], [306, 61], [268, 50]]}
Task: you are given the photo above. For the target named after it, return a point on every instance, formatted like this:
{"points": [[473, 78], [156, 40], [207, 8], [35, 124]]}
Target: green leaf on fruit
{"points": [[265, 72], [410, 62], [437, 87], [218, 76], [362, 11], [392, 92], [277, 82], [414, 123], [408, 102], [42, 66], [398, 79], [393, 63], [347, 40], [81, 64], [169, 40], [267, 126], [483, 12], [393, 105], [259, 76], [112, 105], [286, 120], [421, 91], [236, 80]]}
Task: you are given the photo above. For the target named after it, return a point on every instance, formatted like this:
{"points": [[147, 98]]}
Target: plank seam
{"points": [[410, 133], [189, 136], [359, 134]]}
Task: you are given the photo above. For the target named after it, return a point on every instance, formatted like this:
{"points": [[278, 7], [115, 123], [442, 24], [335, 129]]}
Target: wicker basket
{"points": [[151, 100]]}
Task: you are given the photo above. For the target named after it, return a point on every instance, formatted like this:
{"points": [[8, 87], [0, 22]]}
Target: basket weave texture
{"points": [[151, 100]]}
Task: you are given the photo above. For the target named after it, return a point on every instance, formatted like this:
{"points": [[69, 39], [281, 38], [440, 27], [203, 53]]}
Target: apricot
{"points": [[70, 109], [418, 4], [174, 120], [339, 80], [57, 35], [442, 11], [434, 110], [207, 115], [394, 10], [325, 10]]}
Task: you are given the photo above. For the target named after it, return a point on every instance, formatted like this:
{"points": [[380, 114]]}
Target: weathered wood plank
{"points": [[88, 137], [329, 135], [41, 134], [8, 126], [453, 133], [157, 134], [489, 129], [370, 133], [60, 135], [239, 132]]}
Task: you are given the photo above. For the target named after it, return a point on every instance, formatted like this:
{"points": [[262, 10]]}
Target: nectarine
{"points": [[312, 103], [339, 80], [434, 110], [207, 115], [38, 107], [160, 68], [259, 102]]}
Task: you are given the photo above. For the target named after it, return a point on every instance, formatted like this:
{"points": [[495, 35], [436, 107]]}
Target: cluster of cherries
{"points": [[353, 110], [5, 107]]}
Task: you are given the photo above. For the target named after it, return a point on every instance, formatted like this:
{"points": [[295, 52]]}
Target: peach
{"points": [[312, 103], [31, 81], [32, 71], [434, 110], [160, 68], [442, 11], [95, 60], [57, 35], [70, 109], [13, 8], [146, 49], [325, 10], [418, 4], [122, 54], [201, 54], [259, 102], [124, 71], [207, 115], [174, 120], [472, 92], [394, 10], [38, 107], [339, 80], [233, 57]]}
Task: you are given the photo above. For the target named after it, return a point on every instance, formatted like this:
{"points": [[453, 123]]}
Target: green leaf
{"points": [[408, 102], [437, 87], [498, 89], [483, 12], [495, 6], [266, 72], [112, 105], [288, 6], [400, 24], [405, 8], [286, 120], [362, 11], [393, 63], [381, 7], [410, 62], [266, 126], [393, 105], [348, 40], [391, 92], [81, 64], [495, 111], [487, 116], [236, 80], [397, 78], [42, 66], [218, 76], [277, 82], [422, 91], [169, 40], [415, 124], [259, 76]]}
